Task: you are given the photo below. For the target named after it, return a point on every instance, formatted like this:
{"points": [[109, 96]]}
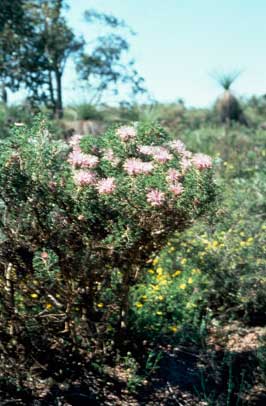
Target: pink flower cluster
{"points": [[160, 154], [110, 156], [176, 188], [80, 160], [155, 197], [173, 175], [178, 146], [134, 166], [185, 164], [84, 178], [88, 178], [106, 186], [126, 133], [202, 161], [172, 178], [75, 139]]}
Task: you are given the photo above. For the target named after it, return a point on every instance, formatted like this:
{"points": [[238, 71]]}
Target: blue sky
{"points": [[180, 42]]}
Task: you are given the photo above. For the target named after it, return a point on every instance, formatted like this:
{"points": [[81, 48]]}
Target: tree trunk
{"points": [[3, 93], [51, 91], [9, 288], [59, 101]]}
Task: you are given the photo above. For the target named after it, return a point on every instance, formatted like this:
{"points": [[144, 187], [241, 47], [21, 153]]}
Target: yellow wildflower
{"points": [[183, 261], [190, 280], [171, 249], [250, 240], [160, 297], [34, 295], [174, 329], [100, 305], [159, 270], [159, 313], [48, 306], [155, 261], [176, 273], [138, 305], [183, 286], [151, 271], [195, 271]]}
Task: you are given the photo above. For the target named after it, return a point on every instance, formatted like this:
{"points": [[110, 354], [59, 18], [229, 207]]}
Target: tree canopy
{"points": [[36, 42]]}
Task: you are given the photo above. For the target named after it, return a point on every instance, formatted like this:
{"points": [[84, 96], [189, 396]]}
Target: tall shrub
{"points": [[78, 222]]}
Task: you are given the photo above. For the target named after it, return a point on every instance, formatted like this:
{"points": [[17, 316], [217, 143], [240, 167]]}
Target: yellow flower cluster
{"points": [[247, 243]]}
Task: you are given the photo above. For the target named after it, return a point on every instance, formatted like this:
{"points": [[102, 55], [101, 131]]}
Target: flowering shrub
{"points": [[79, 220]]}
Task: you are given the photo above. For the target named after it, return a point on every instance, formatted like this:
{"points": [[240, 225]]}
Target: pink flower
{"points": [[110, 156], [147, 167], [126, 133], [134, 166], [155, 197], [185, 164], [147, 149], [178, 146], [172, 175], [177, 189], [202, 161], [75, 140], [80, 160], [187, 154], [84, 178], [106, 186], [162, 155], [44, 256]]}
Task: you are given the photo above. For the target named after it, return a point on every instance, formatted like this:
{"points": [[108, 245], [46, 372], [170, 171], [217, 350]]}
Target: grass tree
{"points": [[227, 105]]}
